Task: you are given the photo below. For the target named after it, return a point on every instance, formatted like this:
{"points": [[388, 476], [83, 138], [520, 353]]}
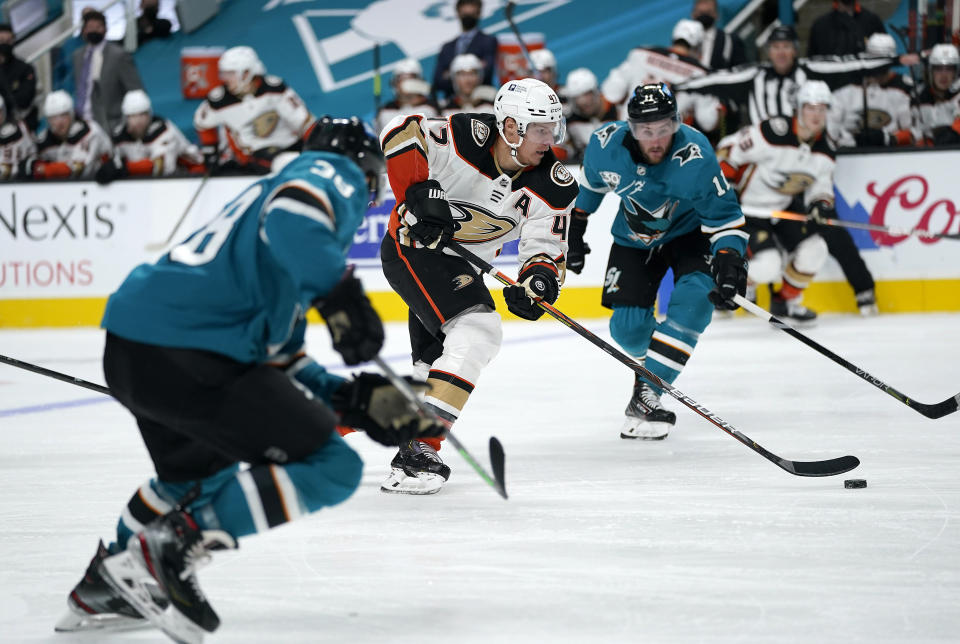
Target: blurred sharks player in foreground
{"points": [[205, 348], [676, 210], [481, 180]]}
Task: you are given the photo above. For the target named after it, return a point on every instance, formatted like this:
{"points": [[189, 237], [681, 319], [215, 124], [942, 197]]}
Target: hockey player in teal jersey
{"points": [[205, 348], [676, 211]]}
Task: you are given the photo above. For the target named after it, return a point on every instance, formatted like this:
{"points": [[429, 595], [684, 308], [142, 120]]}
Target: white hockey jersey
{"points": [[271, 118], [158, 152], [490, 207], [16, 145], [888, 109], [936, 112], [769, 166], [78, 155]]}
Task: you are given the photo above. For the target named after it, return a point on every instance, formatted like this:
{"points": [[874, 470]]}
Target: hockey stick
{"points": [[828, 467], [937, 410], [50, 373], [496, 449], [899, 232], [160, 246], [376, 80], [508, 12]]}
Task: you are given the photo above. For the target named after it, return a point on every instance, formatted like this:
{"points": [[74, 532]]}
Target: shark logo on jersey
{"points": [[648, 225], [689, 152], [265, 124], [476, 225], [461, 281], [480, 132], [791, 183], [603, 134], [612, 179]]}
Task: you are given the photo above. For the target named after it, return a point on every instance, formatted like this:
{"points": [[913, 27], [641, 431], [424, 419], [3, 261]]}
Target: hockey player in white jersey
{"points": [[258, 113], [70, 147], [147, 145], [481, 180], [937, 113], [411, 93], [466, 74], [16, 145], [770, 163], [587, 109]]}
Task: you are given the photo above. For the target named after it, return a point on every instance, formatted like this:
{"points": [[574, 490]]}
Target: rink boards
{"points": [[64, 247]]}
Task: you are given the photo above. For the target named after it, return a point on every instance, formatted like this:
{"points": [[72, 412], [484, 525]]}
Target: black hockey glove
{"points": [[370, 403], [729, 270], [428, 214], [113, 168], [534, 281], [354, 325], [945, 135], [821, 210], [578, 249], [871, 138]]}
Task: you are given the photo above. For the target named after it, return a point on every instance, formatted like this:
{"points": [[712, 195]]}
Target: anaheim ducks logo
{"points": [[878, 119], [476, 225], [265, 124], [462, 281], [561, 176], [480, 132], [791, 183]]}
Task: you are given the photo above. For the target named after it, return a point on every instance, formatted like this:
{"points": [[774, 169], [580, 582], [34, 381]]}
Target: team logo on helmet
{"points": [[792, 183], [689, 152], [560, 175], [462, 281], [480, 132], [612, 179], [648, 225], [266, 123], [476, 225]]}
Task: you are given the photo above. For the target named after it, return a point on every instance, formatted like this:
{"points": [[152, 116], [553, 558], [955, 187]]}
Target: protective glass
{"points": [[654, 130], [552, 133]]}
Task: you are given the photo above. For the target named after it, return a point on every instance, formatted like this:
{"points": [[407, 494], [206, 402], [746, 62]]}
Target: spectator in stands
{"points": [[937, 113], [471, 41], [63, 58], [877, 112], [148, 145], [410, 94], [587, 110], [16, 145], [18, 82], [719, 49], [470, 95], [104, 72], [546, 64], [149, 25], [70, 147], [260, 116], [843, 30]]}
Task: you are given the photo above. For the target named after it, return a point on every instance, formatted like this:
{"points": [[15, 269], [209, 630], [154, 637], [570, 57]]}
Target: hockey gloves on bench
{"points": [[578, 249], [370, 403], [535, 281], [729, 270], [354, 325], [427, 214]]}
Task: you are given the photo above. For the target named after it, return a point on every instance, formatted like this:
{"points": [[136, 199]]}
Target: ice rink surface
{"points": [[692, 539]]}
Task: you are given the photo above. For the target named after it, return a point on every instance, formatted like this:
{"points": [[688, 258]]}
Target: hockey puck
{"points": [[855, 483]]}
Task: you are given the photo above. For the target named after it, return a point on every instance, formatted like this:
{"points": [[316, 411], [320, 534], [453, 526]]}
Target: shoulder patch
{"points": [[687, 153], [216, 94], [603, 134], [270, 79], [779, 126], [612, 179], [480, 132], [560, 175], [8, 130]]}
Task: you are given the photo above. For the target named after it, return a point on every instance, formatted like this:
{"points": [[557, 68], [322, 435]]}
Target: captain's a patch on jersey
{"points": [[480, 132], [689, 152], [560, 174]]}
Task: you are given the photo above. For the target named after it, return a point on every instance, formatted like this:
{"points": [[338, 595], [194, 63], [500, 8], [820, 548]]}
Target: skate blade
{"points": [[107, 623], [129, 577], [639, 429], [423, 483]]}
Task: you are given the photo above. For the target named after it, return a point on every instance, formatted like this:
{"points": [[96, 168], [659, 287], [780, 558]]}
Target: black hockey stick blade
{"points": [[934, 411], [830, 467], [497, 463]]}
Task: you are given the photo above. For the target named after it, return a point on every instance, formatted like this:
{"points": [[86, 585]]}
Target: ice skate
{"points": [[95, 606], [867, 303], [166, 554], [792, 311], [646, 418], [416, 469]]}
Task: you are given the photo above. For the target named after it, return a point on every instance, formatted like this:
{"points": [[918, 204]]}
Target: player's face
{"points": [[536, 141], [814, 117], [782, 54], [137, 124], [60, 124], [235, 82], [549, 76], [654, 138], [943, 76], [588, 103], [466, 82]]}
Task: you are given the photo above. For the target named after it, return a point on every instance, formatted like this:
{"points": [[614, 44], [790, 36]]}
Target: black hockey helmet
{"points": [[652, 102], [784, 33], [354, 139]]}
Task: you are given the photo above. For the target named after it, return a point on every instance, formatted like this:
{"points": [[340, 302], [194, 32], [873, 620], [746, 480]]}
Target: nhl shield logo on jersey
{"points": [[612, 179], [792, 183], [480, 132], [265, 124], [476, 225], [689, 152], [560, 175]]}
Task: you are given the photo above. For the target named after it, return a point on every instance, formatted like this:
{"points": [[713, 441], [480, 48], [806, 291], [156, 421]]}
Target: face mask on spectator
{"points": [[150, 12], [468, 22], [94, 37], [6, 51], [706, 20]]}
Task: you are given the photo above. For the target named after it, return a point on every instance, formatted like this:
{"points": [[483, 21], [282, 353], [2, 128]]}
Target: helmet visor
{"points": [[653, 130], [550, 133]]}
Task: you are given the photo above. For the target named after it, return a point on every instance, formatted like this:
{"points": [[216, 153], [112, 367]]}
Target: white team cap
{"points": [[881, 44], [580, 81], [135, 101], [58, 102], [543, 58], [814, 92], [466, 63], [408, 66], [689, 30], [241, 59], [944, 54]]}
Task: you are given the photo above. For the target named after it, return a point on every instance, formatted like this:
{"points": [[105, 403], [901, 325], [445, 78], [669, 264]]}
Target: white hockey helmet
{"points": [[580, 81], [814, 92], [409, 66], [543, 58], [466, 63], [690, 31], [944, 54], [135, 101], [527, 101], [56, 103], [241, 59], [881, 44]]}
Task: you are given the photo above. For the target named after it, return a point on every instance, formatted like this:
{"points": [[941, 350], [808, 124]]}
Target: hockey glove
{"points": [[821, 210], [428, 214], [536, 281], [578, 249], [729, 270], [354, 325], [113, 168], [871, 138], [370, 403]]}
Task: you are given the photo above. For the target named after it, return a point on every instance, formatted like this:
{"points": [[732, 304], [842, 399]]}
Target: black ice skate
{"points": [[95, 605], [416, 469], [792, 311], [167, 553], [646, 418], [867, 303]]}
